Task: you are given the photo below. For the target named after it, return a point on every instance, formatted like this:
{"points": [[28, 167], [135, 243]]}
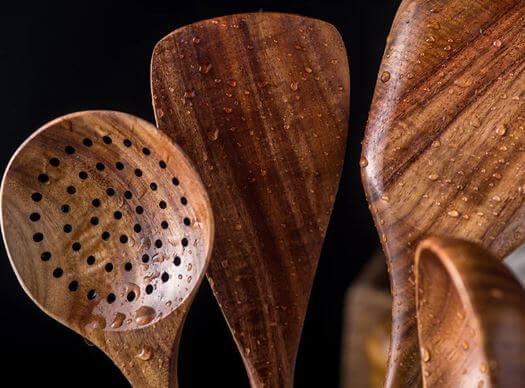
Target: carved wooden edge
{"points": [[471, 317]]}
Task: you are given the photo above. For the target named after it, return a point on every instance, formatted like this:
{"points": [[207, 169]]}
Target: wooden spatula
{"points": [[109, 230], [444, 148], [260, 102], [471, 317]]}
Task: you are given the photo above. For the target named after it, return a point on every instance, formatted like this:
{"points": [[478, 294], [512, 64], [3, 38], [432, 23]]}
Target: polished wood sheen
{"points": [[260, 103], [471, 317], [109, 230], [444, 149]]}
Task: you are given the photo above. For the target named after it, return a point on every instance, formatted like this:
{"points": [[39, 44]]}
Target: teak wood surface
{"points": [[109, 230], [471, 317], [443, 152], [260, 103]]}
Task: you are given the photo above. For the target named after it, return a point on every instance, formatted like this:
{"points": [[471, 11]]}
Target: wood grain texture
{"points": [[471, 317], [443, 152], [109, 230], [260, 103]]}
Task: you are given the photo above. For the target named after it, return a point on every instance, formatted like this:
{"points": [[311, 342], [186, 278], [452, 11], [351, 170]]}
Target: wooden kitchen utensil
{"points": [[471, 317], [109, 230], [260, 102], [444, 149]]}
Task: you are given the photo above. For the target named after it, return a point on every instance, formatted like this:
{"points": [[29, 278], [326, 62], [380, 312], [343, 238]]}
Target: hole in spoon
{"points": [[131, 296], [58, 272], [37, 197], [111, 298], [73, 286], [92, 294]]}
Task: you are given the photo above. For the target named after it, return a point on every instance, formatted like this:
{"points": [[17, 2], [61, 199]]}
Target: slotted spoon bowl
{"points": [[109, 230]]}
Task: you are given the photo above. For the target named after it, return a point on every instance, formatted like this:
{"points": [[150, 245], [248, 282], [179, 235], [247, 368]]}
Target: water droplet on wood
{"points": [[145, 354]]}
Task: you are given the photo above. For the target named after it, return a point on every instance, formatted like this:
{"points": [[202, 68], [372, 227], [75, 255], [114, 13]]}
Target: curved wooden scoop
{"points": [[109, 230], [444, 150], [471, 317], [260, 102]]}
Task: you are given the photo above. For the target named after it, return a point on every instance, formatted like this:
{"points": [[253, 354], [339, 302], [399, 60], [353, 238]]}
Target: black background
{"points": [[60, 58]]}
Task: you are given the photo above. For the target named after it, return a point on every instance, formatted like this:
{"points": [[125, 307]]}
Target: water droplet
{"points": [[363, 162], [453, 213], [118, 320], [497, 43], [88, 342], [501, 130], [483, 367], [96, 323], [227, 109], [465, 345], [496, 198], [447, 47], [385, 76], [294, 86], [145, 354], [144, 315], [433, 177], [434, 25], [436, 143], [308, 69], [213, 135], [425, 354], [475, 122], [205, 68], [496, 293], [196, 40]]}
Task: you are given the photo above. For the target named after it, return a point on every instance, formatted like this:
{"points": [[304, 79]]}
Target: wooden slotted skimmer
{"points": [[109, 230]]}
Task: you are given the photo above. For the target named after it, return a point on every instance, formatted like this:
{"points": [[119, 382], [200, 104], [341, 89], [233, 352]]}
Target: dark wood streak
{"points": [[405, 110], [436, 160], [268, 138]]}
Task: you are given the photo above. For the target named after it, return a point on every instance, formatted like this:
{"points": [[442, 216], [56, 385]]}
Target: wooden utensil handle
{"points": [[471, 317]]}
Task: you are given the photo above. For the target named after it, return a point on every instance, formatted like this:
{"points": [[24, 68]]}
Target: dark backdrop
{"points": [[56, 59]]}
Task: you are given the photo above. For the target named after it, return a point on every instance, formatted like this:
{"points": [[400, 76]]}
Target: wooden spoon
{"points": [[109, 230], [260, 102], [471, 317], [443, 152]]}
